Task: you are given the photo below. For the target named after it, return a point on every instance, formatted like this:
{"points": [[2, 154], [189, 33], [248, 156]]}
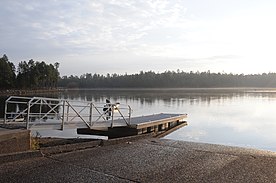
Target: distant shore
{"points": [[8, 92], [20, 92]]}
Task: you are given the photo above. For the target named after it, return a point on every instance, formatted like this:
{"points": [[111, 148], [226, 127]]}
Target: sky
{"points": [[128, 36]]}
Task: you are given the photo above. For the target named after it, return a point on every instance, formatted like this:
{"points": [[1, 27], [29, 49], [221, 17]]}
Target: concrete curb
{"points": [[125, 139], [48, 151], [15, 140]]}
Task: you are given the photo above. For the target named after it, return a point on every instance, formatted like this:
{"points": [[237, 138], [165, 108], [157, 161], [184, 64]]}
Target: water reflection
{"points": [[225, 116], [166, 95]]}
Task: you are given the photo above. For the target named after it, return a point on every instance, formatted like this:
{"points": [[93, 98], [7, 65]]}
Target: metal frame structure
{"points": [[37, 109]]}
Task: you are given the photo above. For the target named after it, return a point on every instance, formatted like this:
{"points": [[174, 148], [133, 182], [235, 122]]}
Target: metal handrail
{"points": [[70, 110]]}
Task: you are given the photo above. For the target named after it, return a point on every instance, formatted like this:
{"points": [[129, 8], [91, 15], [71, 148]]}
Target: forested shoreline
{"points": [[29, 75], [35, 75], [169, 79]]}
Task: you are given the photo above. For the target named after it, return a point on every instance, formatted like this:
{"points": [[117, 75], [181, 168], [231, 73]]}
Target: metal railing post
{"points": [[28, 114], [63, 116], [112, 115], [6, 109], [91, 114], [40, 109], [129, 114], [67, 113]]}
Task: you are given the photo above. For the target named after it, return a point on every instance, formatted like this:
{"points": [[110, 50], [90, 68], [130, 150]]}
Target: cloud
{"points": [[84, 26], [159, 31]]}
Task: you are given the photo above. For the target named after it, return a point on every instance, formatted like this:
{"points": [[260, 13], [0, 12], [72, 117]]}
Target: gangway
{"points": [[41, 112]]}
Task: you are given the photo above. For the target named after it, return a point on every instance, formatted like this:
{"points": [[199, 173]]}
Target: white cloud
{"points": [[91, 23], [157, 29]]}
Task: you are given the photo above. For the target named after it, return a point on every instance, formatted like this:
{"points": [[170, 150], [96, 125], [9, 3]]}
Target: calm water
{"points": [[245, 118]]}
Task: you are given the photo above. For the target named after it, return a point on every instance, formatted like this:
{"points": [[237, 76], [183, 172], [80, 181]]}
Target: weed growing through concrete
{"points": [[35, 141]]}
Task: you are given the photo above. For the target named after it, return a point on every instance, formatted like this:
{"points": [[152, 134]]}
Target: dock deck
{"points": [[156, 123], [156, 119], [138, 125]]}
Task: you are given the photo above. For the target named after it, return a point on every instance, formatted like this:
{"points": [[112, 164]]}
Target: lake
{"points": [[236, 117]]}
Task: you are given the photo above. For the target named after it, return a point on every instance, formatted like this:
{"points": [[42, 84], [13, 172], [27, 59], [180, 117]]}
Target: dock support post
{"points": [[155, 128], [166, 126]]}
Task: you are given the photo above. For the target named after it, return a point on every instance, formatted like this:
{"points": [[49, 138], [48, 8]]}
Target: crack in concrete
{"points": [[99, 172]]}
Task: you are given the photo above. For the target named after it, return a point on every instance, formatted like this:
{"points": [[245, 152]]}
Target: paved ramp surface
{"points": [[148, 160]]}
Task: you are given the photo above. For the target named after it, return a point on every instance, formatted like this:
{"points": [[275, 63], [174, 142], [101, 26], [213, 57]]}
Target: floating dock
{"points": [[106, 119], [160, 124], [156, 123]]}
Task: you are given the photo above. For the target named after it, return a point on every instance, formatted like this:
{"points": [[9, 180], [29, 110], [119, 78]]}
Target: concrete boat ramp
{"points": [[142, 160]]}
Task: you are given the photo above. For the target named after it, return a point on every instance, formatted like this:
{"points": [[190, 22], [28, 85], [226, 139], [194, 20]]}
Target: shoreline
{"points": [[18, 92]]}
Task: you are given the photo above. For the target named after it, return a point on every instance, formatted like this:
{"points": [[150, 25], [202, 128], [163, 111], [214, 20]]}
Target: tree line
{"points": [[28, 75], [37, 75], [168, 79]]}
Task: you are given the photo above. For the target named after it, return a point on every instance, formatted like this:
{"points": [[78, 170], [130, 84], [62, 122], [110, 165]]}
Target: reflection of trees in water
{"points": [[170, 97], [173, 96]]}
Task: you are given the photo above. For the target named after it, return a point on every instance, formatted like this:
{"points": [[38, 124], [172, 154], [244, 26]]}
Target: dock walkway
{"points": [[156, 123]]}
